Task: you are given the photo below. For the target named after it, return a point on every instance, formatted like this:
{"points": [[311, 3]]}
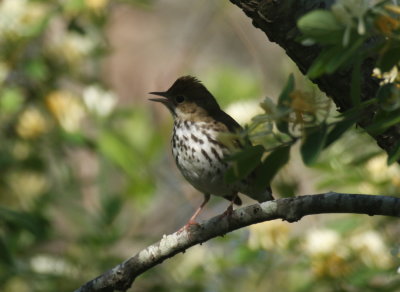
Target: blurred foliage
{"points": [[234, 86], [78, 170], [70, 159]]}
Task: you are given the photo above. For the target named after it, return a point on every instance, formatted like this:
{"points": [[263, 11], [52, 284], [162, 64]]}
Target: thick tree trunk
{"points": [[277, 18]]}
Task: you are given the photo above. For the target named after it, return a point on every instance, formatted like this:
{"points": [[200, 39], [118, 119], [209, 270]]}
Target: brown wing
{"points": [[228, 121]]}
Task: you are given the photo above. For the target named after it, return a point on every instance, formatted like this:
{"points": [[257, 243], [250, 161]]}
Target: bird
{"points": [[196, 147]]}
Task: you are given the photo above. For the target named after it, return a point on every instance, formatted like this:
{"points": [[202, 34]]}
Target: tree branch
{"points": [[278, 20], [290, 209]]}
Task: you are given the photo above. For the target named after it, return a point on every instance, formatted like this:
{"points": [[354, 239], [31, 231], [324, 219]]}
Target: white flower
{"points": [[71, 46], [371, 248], [99, 101], [243, 111], [387, 77], [18, 17], [321, 241], [380, 171], [45, 264], [11, 12]]}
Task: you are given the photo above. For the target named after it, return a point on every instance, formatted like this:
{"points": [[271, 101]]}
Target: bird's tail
{"points": [[265, 196], [259, 195]]}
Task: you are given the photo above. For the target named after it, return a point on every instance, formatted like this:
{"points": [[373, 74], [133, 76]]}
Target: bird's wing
{"points": [[228, 121]]}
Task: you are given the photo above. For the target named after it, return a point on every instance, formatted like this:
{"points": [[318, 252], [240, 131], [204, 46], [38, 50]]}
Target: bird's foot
{"points": [[228, 212], [188, 225]]}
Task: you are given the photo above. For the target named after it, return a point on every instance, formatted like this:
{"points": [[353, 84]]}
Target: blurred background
{"points": [[86, 175]]}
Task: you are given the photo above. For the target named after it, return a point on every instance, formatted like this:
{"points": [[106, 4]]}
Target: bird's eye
{"points": [[179, 98]]}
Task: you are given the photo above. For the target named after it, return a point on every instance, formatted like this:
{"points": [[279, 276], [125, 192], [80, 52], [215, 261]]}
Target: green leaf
{"points": [[318, 67], [388, 96], [77, 139], [6, 257], [332, 58], [390, 58], [383, 122], [23, 220], [338, 130], [74, 6], [320, 25], [244, 162], [112, 206], [271, 165], [355, 90], [394, 154], [284, 97], [343, 55], [37, 70], [116, 149], [283, 104], [313, 143], [11, 100]]}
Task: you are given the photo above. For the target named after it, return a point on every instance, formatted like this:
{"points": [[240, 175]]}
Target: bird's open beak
{"points": [[159, 93], [165, 100]]}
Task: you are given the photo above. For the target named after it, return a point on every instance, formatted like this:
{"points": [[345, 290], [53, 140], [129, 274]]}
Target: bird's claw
{"points": [[228, 212], [188, 225]]}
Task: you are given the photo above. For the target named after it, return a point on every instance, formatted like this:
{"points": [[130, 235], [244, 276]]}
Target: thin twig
{"points": [[292, 209]]}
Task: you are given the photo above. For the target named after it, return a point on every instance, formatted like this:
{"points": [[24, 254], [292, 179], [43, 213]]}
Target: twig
{"points": [[121, 277]]}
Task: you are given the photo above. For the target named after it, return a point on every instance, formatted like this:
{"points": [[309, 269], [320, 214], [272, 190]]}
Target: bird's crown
{"points": [[189, 99], [186, 84], [188, 95]]}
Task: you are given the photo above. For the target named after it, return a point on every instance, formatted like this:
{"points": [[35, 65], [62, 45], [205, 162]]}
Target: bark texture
{"points": [[121, 277], [277, 18]]}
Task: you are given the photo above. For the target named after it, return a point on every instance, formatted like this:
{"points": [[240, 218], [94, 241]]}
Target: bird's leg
{"points": [[205, 201], [229, 210], [192, 220]]}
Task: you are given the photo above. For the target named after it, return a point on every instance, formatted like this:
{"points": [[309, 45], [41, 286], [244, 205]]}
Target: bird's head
{"points": [[188, 99]]}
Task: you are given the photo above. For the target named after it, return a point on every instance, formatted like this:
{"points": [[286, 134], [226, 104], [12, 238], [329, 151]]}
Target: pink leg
{"points": [[192, 220], [229, 210]]}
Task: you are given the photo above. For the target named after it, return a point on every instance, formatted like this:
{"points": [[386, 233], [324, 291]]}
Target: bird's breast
{"points": [[199, 155]]}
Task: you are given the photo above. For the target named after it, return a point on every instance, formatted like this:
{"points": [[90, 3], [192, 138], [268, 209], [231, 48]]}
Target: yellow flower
{"points": [[332, 266], [16, 283], [386, 24], [31, 124], [21, 150], [269, 235], [327, 252], [303, 104], [27, 185], [66, 108], [96, 4], [393, 8]]}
